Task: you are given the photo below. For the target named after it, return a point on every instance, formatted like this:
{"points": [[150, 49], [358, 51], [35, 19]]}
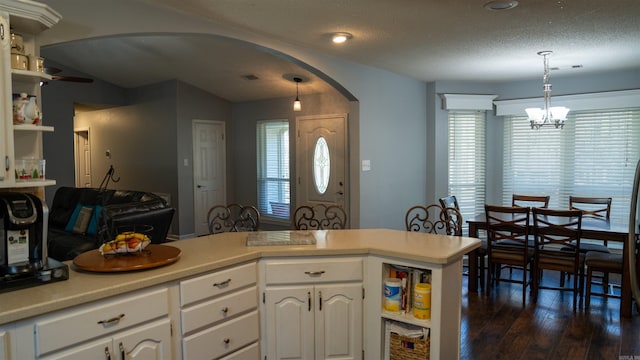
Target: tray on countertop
{"points": [[266, 238], [154, 255]]}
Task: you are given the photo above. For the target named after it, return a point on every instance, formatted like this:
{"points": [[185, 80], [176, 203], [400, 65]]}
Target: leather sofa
{"points": [[70, 233]]}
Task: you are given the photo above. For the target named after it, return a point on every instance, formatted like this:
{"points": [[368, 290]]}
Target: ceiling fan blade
{"points": [[72, 79]]}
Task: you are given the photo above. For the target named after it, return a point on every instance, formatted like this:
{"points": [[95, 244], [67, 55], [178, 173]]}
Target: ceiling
{"points": [[457, 40]]}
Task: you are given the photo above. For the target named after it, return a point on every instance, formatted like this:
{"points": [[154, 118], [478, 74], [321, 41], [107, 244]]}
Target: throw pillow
{"points": [[74, 217], [82, 222], [92, 229]]}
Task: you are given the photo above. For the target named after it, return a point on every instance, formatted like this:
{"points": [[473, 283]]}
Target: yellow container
{"points": [[422, 301]]}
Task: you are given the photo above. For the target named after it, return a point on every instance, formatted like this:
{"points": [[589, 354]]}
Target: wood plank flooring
{"points": [[496, 326]]}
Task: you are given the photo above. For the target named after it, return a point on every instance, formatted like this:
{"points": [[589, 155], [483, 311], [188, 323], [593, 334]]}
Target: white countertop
{"points": [[207, 253]]}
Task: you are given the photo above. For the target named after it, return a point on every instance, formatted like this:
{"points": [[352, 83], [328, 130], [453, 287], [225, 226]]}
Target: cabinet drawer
{"points": [[312, 271], [217, 283], [72, 326], [251, 352], [219, 309], [222, 339]]}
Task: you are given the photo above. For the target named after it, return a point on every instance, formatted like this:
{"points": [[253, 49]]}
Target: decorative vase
{"points": [[26, 110]]}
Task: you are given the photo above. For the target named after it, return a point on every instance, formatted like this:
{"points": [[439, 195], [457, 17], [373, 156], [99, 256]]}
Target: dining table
{"points": [[592, 228]]}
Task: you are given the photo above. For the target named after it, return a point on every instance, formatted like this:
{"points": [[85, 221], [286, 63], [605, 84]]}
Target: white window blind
{"points": [[467, 149], [594, 155], [273, 168]]}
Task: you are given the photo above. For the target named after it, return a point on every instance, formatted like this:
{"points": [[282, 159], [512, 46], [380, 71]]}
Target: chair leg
{"points": [[588, 289]]}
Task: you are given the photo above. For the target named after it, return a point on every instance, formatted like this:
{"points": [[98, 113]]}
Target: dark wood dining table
{"points": [[592, 228]]}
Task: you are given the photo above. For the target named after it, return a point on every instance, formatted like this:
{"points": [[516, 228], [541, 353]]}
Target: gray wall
{"points": [[148, 141]]}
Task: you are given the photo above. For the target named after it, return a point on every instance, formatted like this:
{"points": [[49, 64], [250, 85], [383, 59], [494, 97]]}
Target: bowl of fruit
{"points": [[130, 240]]}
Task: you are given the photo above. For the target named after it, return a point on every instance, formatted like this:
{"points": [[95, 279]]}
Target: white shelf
{"points": [[406, 318], [35, 183], [28, 75], [31, 127]]}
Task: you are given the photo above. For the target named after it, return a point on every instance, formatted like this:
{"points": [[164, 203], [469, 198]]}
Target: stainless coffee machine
{"points": [[23, 243]]}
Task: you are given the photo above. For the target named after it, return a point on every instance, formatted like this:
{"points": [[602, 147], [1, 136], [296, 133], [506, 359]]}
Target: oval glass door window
{"points": [[321, 165]]}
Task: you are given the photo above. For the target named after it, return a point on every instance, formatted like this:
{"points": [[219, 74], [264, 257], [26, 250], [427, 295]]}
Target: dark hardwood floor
{"points": [[496, 326]]}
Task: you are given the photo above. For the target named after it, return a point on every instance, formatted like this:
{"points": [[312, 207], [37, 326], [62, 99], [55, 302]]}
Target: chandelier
{"points": [[548, 115]]}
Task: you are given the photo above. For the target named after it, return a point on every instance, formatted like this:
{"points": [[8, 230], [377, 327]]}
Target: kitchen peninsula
{"points": [[217, 268]]}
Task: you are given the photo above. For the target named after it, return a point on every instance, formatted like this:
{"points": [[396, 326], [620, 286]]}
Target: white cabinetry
{"points": [[27, 18], [312, 308], [219, 314], [135, 326], [444, 325]]}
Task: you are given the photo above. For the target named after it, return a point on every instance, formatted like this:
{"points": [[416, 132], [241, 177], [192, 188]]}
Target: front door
{"points": [[321, 160], [209, 170]]}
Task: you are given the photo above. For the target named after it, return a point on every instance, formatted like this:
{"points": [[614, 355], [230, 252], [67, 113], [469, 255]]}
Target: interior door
{"points": [[82, 150], [209, 170], [321, 160]]}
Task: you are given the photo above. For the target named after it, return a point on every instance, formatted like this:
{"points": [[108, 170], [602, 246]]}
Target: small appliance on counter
{"points": [[23, 243]]}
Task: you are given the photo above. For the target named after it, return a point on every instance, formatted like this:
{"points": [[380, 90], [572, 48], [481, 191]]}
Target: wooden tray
{"points": [[154, 255]]}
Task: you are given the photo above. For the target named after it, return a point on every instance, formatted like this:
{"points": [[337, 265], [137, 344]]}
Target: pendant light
{"points": [[297, 105], [554, 116]]}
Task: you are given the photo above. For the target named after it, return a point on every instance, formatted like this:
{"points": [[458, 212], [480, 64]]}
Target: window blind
{"points": [[273, 168], [594, 155], [467, 161]]}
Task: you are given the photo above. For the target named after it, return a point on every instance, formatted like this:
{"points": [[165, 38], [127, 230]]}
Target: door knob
{"points": [[340, 193]]}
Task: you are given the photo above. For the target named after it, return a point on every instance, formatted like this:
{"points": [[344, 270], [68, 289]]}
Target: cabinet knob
{"points": [[225, 310], [226, 341]]}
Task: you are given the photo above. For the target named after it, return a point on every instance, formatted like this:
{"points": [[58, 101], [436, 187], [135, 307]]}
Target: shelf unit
{"points": [[446, 305], [22, 141]]}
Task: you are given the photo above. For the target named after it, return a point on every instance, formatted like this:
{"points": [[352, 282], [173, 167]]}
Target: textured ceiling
{"points": [[425, 39]]}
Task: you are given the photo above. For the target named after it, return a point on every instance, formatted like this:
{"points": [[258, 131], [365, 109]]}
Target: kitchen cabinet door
{"points": [[289, 321]]}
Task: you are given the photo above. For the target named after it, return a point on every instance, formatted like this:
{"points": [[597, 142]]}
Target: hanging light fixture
{"points": [[548, 115], [297, 105]]}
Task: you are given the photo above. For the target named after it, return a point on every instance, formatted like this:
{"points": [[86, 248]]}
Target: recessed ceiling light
{"points": [[340, 37], [499, 5]]}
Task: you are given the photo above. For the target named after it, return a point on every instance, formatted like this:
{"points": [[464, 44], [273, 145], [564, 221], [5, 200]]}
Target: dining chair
{"points": [[480, 253], [233, 218], [531, 201], [557, 248], [596, 209], [434, 219], [605, 263], [319, 217], [508, 244]]}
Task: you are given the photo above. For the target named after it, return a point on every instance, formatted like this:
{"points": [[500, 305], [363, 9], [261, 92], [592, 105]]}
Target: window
{"points": [[467, 161], [594, 155], [273, 168]]}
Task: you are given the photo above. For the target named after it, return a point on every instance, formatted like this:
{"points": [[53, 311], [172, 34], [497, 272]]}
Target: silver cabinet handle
{"points": [[1, 31], [309, 300], [107, 354], [7, 163], [223, 283], [320, 300], [113, 320], [122, 352], [314, 273]]}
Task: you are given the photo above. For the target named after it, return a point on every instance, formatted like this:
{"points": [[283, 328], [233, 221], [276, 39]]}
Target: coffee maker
{"points": [[23, 243]]}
